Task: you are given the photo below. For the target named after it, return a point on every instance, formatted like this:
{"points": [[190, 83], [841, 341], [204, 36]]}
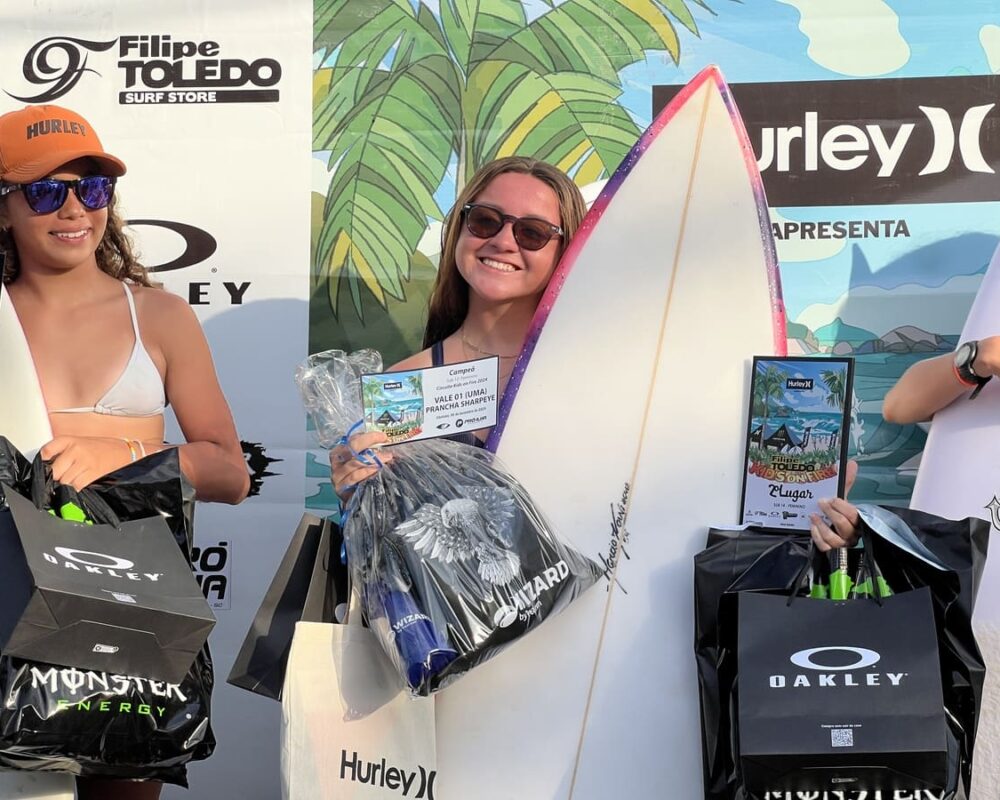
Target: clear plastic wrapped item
{"points": [[452, 559], [330, 385]]}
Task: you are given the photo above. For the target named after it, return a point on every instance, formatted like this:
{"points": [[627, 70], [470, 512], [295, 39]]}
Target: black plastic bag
{"points": [[909, 546], [91, 723], [454, 561], [145, 488], [450, 556], [308, 584]]}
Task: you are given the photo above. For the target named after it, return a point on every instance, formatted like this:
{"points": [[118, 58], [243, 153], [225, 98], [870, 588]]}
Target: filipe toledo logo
{"points": [[835, 666], [154, 68], [381, 774]]}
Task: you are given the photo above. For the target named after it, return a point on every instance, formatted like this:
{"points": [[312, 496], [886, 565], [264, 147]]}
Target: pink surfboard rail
{"points": [[569, 258]]}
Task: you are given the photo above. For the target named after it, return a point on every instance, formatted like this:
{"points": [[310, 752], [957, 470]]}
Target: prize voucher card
{"points": [[799, 422], [436, 401]]}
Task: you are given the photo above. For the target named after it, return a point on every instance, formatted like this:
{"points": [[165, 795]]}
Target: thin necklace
{"points": [[466, 343]]}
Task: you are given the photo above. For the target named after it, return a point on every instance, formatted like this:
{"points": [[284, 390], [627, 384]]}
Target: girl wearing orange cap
{"points": [[109, 349]]}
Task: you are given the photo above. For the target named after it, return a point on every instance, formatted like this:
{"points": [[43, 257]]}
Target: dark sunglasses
{"points": [[49, 194], [484, 222]]}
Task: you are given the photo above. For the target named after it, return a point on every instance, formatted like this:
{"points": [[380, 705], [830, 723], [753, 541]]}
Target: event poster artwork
{"points": [[799, 423], [437, 401]]}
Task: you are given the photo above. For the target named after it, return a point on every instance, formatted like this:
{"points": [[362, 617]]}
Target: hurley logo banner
{"points": [[872, 142]]}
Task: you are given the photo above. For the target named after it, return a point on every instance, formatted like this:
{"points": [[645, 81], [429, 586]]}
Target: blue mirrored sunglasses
{"points": [[49, 194]]}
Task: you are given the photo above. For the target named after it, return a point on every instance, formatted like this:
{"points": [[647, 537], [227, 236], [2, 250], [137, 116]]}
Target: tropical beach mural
{"points": [[796, 418], [410, 96], [394, 404]]}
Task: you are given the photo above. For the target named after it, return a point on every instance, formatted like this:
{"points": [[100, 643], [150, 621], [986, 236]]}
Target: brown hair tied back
{"points": [[115, 255], [449, 301]]}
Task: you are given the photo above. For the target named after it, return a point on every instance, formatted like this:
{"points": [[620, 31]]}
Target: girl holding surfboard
{"points": [[108, 348], [503, 238]]}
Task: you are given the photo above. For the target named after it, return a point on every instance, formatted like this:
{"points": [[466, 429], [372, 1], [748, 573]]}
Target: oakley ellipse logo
{"points": [[199, 245], [865, 658], [86, 557], [62, 73]]}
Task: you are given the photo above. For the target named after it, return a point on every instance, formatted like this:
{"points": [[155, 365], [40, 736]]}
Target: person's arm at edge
{"points": [[924, 389], [212, 459]]}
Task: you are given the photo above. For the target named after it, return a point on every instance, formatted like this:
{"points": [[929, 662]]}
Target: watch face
{"points": [[963, 355]]}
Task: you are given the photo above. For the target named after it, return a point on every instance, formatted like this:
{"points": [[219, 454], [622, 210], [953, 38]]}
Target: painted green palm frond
{"points": [[600, 37], [379, 35], [683, 14], [834, 382], [569, 119], [475, 27], [390, 158], [354, 25]]}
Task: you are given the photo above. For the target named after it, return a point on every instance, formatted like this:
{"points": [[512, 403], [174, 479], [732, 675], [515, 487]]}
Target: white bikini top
{"points": [[138, 392]]}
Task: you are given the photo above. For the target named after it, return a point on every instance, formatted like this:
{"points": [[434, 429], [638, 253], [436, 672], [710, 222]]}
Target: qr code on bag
{"points": [[842, 737]]}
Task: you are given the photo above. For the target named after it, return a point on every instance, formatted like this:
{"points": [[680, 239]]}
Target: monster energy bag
{"points": [[450, 556], [89, 722]]}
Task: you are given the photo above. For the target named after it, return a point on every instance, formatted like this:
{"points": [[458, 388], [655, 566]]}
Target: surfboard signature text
{"points": [[778, 490], [619, 538]]}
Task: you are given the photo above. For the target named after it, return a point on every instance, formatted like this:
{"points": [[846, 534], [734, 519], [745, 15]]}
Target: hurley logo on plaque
{"points": [[799, 421]]}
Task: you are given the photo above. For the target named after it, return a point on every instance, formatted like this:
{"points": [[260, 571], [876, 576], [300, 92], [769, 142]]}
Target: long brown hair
{"points": [[449, 301], [115, 254]]}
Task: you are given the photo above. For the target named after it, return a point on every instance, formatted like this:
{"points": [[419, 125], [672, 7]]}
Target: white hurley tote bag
{"points": [[22, 785], [348, 731]]}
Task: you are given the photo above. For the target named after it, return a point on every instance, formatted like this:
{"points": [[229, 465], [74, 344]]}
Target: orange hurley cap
{"points": [[37, 140]]}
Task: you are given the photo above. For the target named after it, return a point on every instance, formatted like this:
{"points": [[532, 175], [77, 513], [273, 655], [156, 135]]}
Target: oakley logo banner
{"points": [[870, 142], [94, 559], [836, 666], [92, 563], [864, 658], [199, 245]]}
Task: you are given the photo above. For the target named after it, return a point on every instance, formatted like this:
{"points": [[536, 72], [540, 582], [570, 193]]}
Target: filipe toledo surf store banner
{"points": [[208, 104]]}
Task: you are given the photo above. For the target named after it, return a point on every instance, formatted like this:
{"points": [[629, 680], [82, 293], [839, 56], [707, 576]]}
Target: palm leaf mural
{"points": [[834, 382], [769, 385], [402, 95]]}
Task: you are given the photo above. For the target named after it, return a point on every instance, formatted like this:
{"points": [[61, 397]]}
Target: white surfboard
{"points": [[25, 422], [23, 417], [625, 419], [958, 477]]}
